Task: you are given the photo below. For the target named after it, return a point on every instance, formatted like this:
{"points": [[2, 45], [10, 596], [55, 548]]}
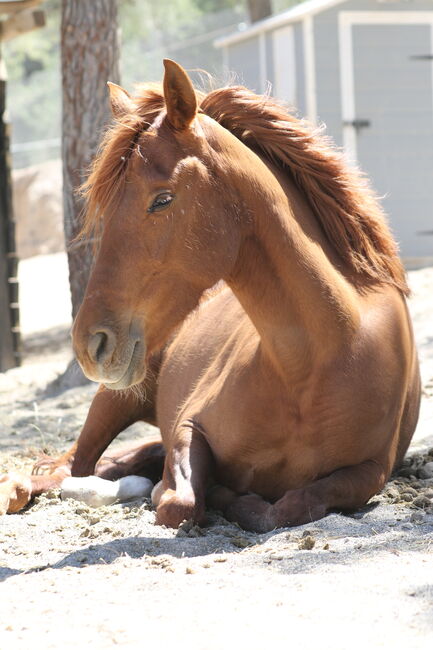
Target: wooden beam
{"points": [[21, 23]]}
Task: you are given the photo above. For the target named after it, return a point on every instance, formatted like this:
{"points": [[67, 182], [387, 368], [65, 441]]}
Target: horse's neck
{"points": [[301, 305]]}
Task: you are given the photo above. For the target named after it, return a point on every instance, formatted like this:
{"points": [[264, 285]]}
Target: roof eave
{"points": [[299, 12]]}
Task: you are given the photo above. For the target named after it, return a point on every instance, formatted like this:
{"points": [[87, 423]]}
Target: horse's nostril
{"points": [[101, 346], [103, 338]]}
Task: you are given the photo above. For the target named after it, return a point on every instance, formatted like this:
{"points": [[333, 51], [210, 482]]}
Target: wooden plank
{"points": [[21, 23]]}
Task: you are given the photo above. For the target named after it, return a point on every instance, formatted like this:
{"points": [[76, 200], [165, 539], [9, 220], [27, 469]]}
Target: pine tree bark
{"points": [[90, 58]]}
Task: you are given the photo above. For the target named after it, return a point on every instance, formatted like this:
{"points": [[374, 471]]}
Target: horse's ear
{"points": [[179, 95], [120, 101]]}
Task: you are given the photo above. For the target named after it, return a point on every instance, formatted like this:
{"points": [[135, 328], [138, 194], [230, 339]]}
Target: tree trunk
{"points": [[90, 56], [259, 9]]}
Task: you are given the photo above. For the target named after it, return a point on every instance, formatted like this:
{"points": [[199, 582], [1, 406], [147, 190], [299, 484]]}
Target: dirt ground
{"points": [[77, 577]]}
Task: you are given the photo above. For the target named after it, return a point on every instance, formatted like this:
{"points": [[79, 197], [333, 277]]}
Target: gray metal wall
{"points": [[244, 61]]}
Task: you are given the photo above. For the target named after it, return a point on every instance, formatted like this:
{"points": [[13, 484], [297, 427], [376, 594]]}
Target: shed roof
{"points": [[298, 12]]}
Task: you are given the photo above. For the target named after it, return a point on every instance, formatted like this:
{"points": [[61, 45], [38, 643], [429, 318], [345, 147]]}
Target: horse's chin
{"points": [[135, 373], [130, 378]]}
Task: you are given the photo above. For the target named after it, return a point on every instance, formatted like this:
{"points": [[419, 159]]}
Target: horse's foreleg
{"points": [[109, 414], [345, 489], [187, 470]]}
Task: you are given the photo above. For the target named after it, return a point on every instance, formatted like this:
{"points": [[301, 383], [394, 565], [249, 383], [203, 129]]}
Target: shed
{"points": [[365, 69]]}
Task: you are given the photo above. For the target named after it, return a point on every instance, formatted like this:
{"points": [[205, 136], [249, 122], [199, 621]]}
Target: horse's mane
{"points": [[338, 194]]}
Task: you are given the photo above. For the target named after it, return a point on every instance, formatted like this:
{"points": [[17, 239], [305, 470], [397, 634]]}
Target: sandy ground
{"points": [[75, 577]]}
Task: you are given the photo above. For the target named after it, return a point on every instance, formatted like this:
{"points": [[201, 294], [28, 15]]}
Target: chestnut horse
{"points": [[292, 388]]}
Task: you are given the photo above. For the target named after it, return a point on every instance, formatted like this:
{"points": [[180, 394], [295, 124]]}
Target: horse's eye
{"points": [[161, 201]]}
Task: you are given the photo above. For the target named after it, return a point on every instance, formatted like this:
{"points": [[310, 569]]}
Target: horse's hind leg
{"points": [[345, 489], [142, 460], [187, 470]]}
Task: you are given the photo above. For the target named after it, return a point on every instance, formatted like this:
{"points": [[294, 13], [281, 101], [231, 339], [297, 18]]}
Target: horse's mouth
{"points": [[135, 371]]}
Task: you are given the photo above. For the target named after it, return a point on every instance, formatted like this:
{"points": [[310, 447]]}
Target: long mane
{"points": [[339, 195]]}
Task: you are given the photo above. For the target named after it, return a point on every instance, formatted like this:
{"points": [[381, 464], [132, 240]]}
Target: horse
{"points": [[247, 286]]}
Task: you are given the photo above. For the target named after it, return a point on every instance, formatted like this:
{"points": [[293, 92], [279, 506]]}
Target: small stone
{"points": [[417, 518], [421, 501], [410, 490], [220, 558], [189, 570], [240, 542], [186, 525], [406, 472], [406, 496], [326, 547], [94, 519], [52, 494], [196, 531], [426, 471], [181, 533], [306, 543]]}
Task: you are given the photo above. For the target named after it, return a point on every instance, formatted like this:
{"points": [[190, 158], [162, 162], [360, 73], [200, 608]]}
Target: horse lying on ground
{"points": [[292, 388]]}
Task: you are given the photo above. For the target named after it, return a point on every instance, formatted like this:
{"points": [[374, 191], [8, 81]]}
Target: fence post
{"points": [[10, 355]]}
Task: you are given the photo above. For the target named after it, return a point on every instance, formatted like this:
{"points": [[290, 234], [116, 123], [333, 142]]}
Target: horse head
{"points": [[161, 245]]}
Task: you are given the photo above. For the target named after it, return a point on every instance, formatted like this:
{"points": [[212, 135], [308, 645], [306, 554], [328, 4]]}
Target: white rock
{"points": [[95, 491]]}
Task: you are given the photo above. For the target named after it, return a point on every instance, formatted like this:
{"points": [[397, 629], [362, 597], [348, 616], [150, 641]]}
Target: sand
{"points": [[78, 577]]}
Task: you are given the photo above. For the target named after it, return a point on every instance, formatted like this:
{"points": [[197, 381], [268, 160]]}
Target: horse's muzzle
{"points": [[116, 361]]}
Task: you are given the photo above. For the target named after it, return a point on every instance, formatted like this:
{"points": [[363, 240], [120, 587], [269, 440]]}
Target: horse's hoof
{"points": [[172, 510], [15, 492]]}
